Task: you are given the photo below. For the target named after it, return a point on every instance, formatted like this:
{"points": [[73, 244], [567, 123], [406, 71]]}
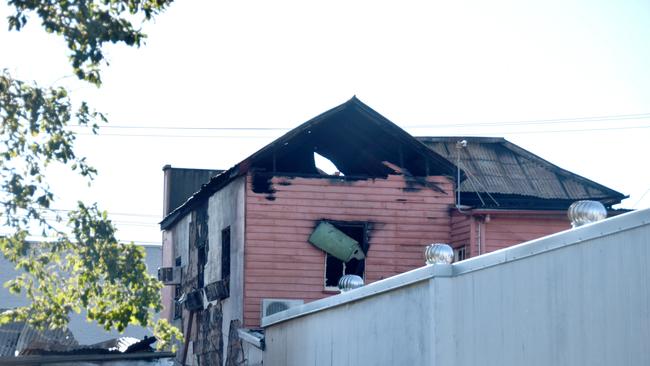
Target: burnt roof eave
{"points": [[530, 202], [221, 180]]}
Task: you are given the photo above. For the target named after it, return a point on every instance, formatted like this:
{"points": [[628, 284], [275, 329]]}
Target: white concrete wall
{"points": [[580, 297], [227, 208]]}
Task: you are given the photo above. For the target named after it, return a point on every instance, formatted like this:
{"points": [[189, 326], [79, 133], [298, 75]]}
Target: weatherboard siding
{"points": [[502, 232], [281, 263], [462, 232]]}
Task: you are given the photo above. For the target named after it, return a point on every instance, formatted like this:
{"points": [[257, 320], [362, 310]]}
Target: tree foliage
{"points": [[87, 25], [81, 265]]}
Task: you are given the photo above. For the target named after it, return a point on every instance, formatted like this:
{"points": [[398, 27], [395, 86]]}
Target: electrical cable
{"points": [[267, 137], [501, 123]]}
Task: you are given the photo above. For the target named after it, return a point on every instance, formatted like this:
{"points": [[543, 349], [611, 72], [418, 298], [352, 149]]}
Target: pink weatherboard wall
{"points": [[484, 231], [504, 230], [281, 263]]}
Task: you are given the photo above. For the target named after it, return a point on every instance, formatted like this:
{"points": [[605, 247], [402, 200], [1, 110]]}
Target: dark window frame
{"points": [[460, 253], [178, 308], [225, 256]]}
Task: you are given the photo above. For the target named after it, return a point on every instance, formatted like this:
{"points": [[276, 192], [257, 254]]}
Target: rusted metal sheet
{"points": [[181, 184], [514, 176]]}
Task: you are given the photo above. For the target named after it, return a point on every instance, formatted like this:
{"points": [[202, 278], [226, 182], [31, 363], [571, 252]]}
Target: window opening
{"points": [[225, 256], [178, 309], [460, 254], [202, 245], [202, 253], [336, 268]]}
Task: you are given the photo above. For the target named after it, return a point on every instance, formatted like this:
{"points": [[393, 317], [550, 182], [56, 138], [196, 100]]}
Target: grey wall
{"points": [[226, 208], [7, 272], [181, 183], [580, 297], [84, 332]]}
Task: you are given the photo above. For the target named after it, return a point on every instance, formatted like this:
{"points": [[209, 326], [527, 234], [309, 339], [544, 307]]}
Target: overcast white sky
{"points": [[474, 65]]}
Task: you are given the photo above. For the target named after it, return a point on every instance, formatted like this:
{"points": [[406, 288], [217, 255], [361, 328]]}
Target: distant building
{"points": [[83, 331], [254, 239]]}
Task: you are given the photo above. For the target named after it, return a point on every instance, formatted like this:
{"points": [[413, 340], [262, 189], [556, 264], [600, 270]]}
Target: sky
{"points": [[566, 80]]}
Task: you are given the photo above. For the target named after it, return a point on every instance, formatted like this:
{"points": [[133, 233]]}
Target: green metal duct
{"points": [[335, 242]]}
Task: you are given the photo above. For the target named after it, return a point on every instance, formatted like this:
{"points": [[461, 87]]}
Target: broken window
{"points": [[336, 268], [225, 256], [345, 245]]}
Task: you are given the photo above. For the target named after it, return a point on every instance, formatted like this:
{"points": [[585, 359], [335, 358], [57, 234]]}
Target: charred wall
{"points": [[279, 261], [212, 324]]}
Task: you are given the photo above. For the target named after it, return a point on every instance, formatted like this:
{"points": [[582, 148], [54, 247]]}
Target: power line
{"points": [[500, 123], [31, 237], [544, 121], [267, 137], [642, 197], [191, 128], [576, 130], [174, 136], [51, 214], [110, 213]]}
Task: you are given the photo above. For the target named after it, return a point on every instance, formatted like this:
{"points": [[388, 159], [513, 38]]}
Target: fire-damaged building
{"points": [[274, 230]]}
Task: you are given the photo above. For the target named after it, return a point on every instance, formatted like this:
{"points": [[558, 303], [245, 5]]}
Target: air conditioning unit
{"points": [[194, 300], [170, 275], [217, 290], [272, 306]]}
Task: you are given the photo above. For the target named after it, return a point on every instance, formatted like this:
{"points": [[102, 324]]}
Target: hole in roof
{"points": [[325, 166]]}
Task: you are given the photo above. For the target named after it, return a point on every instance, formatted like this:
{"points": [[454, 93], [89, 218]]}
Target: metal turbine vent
{"points": [[438, 253], [350, 282], [585, 212]]}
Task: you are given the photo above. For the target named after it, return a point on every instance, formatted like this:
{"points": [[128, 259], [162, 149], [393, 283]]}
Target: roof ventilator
{"points": [[350, 282], [438, 253], [586, 212]]}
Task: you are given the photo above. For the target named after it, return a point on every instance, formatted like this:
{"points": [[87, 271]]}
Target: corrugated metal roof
{"points": [[9, 334], [16, 337], [497, 166]]}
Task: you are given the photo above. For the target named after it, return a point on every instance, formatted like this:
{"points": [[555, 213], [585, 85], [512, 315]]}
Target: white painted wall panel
{"points": [[348, 335], [580, 297]]}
